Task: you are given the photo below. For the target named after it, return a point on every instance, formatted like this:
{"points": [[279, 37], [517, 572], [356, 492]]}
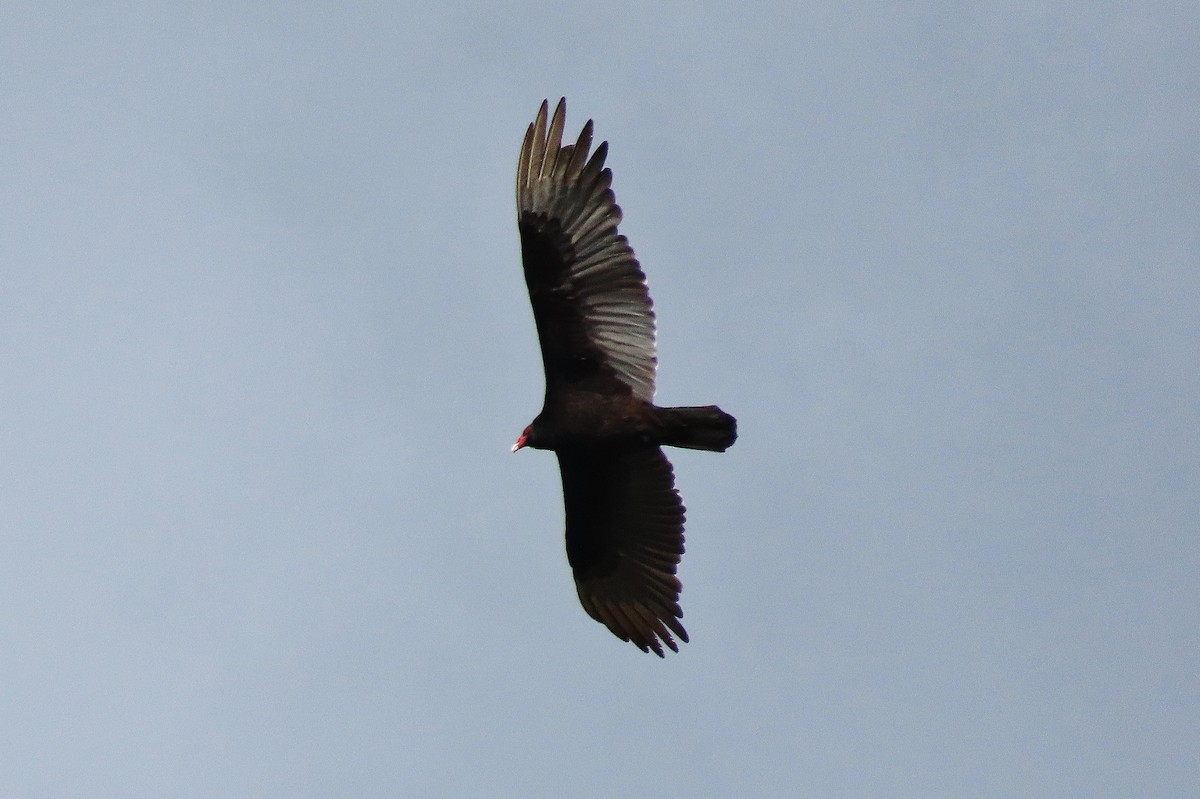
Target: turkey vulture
{"points": [[596, 330]]}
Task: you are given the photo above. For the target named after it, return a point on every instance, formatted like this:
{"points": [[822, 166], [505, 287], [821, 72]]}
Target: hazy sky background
{"points": [[264, 345]]}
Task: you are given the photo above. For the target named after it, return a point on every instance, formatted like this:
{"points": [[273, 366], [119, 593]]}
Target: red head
{"points": [[523, 439]]}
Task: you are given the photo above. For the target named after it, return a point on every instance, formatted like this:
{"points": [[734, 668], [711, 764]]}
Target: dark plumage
{"points": [[596, 329]]}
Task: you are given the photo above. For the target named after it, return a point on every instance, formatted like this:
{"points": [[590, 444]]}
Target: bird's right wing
{"points": [[593, 312], [624, 540]]}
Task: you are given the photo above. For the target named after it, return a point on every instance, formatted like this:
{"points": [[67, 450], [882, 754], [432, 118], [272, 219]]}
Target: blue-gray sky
{"points": [[264, 344]]}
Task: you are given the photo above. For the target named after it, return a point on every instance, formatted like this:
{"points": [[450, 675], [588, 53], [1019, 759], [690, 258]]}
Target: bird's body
{"points": [[583, 418], [595, 324]]}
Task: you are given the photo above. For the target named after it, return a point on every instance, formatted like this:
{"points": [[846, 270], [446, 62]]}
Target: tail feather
{"points": [[706, 427]]}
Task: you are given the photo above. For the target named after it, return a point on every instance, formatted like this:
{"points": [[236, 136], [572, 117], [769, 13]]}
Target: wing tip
{"points": [[639, 624]]}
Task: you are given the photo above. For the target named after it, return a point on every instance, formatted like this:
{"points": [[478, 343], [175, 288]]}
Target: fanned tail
{"points": [[706, 427]]}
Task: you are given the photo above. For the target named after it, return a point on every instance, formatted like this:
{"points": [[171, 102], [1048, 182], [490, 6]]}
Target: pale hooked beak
{"points": [[520, 442]]}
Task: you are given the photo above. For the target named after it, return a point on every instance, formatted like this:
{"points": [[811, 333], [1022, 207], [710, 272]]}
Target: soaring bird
{"points": [[595, 324]]}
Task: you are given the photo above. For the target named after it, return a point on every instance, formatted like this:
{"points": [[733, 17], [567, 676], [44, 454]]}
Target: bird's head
{"points": [[523, 439]]}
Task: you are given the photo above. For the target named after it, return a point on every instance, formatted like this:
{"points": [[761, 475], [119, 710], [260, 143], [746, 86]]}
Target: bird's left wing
{"points": [[624, 540]]}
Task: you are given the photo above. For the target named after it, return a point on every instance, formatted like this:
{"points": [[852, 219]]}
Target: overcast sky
{"points": [[265, 343]]}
